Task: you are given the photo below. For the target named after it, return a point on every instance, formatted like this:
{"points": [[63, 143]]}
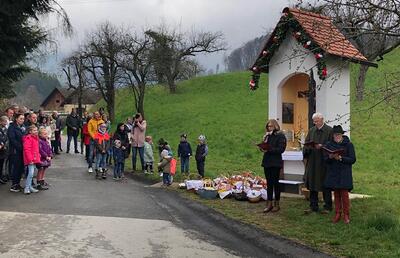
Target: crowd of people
{"points": [[30, 140], [328, 158]]}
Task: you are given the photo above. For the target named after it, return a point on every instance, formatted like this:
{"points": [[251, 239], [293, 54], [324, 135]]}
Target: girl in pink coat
{"points": [[31, 156]]}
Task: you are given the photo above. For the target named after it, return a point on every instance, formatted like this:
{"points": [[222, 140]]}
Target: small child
{"points": [[86, 138], [148, 155], [119, 158], [184, 153], [45, 159], [31, 156], [102, 141], [201, 153], [164, 166]]}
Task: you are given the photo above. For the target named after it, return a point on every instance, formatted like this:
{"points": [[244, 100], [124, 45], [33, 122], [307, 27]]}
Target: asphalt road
{"points": [[83, 217]]}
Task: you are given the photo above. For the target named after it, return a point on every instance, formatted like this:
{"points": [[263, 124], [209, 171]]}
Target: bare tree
{"points": [[137, 66], [100, 55], [75, 72], [171, 49], [372, 25]]}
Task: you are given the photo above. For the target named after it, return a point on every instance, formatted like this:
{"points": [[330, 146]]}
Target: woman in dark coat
{"points": [[339, 171], [122, 135], [15, 133], [272, 162]]}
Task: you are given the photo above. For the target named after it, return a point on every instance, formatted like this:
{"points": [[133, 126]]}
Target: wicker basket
{"points": [[207, 194], [241, 196], [254, 199]]}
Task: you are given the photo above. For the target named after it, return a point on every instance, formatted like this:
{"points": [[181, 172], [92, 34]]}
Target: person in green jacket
{"points": [[148, 155]]}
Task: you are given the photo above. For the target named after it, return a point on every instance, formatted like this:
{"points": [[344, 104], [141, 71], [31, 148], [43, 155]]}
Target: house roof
{"points": [[88, 97], [325, 34], [63, 91]]}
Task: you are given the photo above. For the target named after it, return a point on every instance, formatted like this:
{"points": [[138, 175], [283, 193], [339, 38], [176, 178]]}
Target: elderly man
{"points": [[315, 171]]}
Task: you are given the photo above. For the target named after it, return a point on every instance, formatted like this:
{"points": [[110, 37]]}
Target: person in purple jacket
{"points": [[46, 155]]}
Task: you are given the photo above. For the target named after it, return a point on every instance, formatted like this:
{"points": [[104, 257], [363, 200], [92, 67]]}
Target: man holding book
{"points": [[315, 171]]}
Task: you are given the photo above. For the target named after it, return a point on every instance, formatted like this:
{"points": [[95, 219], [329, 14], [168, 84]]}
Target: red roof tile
{"points": [[322, 30]]}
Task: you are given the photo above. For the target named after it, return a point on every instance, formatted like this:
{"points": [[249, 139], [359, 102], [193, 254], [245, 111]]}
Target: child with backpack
{"points": [[165, 167]]}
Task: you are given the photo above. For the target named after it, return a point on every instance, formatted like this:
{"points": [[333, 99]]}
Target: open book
{"points": [[264, 146], [335, 152]]}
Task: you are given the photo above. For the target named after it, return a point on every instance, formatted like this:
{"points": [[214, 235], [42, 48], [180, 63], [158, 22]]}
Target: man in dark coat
{"points": [[73, 124], [314, 176]]}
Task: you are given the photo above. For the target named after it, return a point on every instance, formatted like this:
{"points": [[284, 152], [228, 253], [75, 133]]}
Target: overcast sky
{"points": [[239, 20]]}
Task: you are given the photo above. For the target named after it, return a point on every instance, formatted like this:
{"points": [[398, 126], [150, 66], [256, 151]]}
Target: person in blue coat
{"points": [[339, 176]]}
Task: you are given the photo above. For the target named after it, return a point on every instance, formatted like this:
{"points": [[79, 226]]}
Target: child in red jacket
{"points": [[31, 156], [102, 142]]}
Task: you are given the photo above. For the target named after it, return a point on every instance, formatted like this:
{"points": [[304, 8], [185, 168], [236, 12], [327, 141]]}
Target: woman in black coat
{"points": [[340, 156], [15, 133], [122, 135], [272, 162]]}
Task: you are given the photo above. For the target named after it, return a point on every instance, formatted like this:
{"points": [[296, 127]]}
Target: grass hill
{"points": [[232, 118]]}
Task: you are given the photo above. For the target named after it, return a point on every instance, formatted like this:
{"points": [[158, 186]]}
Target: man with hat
{"points": [[315, 167]]}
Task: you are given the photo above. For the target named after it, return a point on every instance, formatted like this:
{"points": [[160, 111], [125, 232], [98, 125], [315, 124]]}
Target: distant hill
{"points": [[34, 88]]}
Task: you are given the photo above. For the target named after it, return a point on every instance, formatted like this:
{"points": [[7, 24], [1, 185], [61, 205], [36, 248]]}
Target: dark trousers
{"points": [[18, 168], [149, 167], [273, 186], [87, 152], [54, 146], [184, 164], [135, 150], [200, 167], [57, 135], [327, 196], [70, 137], [2, 161]]}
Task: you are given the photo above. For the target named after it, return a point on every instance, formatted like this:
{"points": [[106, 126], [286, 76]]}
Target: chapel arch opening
{"points": [[297, 98]]}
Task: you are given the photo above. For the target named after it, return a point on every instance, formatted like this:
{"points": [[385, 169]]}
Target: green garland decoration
{"points": [[287, 21]]}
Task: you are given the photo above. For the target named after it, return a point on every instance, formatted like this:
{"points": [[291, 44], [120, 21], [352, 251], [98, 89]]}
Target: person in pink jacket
{"points": [[138, 135], [31, 156]]}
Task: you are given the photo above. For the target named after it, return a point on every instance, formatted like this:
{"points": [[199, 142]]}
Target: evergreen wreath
{"points": [[287, 21]]}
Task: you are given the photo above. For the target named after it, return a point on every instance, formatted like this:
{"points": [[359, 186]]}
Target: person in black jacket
{"points": [[184, 153], [15, 133], [201, 153], [3, 146], [339, 176], [73, 124], [272, 162], [122, 136]]}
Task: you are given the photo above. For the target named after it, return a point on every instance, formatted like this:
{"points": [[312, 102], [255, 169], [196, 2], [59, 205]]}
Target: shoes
{"points": [[90, 170], [42, 187], [27, 191], [67, 151], [325, 211], [276, 207], [115, 178], [104, 174], [2, 182], [269, 207], [15, 188], [76, 152], [33, 190]]}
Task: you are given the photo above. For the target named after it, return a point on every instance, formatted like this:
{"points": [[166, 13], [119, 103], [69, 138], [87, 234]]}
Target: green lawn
{"points": [[232, 118]]}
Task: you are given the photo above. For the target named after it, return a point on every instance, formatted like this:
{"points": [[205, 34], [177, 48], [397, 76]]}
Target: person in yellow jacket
{"points": [[93, 127]]}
